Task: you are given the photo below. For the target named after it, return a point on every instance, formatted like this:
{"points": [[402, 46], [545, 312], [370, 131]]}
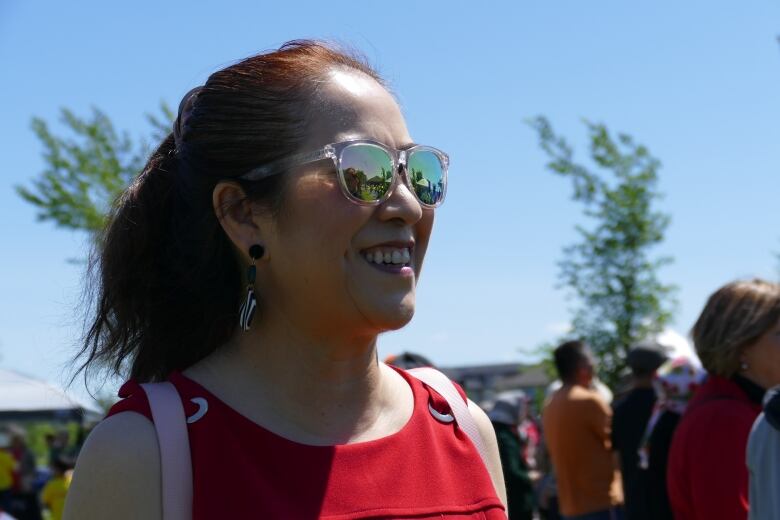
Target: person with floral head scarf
{"points": [[675, 383]]}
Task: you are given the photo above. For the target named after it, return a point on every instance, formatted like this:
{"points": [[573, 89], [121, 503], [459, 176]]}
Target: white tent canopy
{"points": [[27, 398]]}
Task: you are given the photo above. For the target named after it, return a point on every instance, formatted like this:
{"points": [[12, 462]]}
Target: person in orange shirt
{"points": [[577, 428]]}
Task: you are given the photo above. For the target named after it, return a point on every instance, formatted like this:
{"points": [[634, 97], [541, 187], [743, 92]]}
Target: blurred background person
{"points": [[576, 425], [737, 338], [763, 460], [58, 445], [24, 498], [675, 383], [7, 468], [408, 360], [55, 491], [629, 422], [546, 487], [530, 432], [508, 411]]}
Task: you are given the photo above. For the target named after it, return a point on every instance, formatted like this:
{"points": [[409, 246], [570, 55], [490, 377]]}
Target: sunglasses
{"points": [[367, 170]]}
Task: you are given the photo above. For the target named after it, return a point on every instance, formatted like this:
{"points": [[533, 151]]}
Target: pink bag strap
{"points": [[171, 425], [460, 410]]}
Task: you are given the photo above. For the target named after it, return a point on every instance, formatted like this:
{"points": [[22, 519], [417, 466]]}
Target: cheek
{"points": [[765, 356], [423, 230], [318, 226]]}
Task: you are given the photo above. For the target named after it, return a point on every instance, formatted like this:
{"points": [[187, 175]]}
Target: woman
{"points": [[268, 242], [737, 338]]}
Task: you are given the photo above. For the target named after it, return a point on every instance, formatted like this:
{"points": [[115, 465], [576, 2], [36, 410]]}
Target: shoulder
{"points": [[483, 421], [133, 400], [761, 435], [720, 416], [588, 401], [622, 407], [493, 462], [714, 430], [118, 472]]}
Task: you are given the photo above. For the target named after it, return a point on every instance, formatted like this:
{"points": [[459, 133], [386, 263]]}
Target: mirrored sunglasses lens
{"points": [[367, 171], [426, 174]]}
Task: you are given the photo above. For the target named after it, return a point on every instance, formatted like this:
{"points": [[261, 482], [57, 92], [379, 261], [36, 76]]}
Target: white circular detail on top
{"points": [[203, 407], [445, 418]]}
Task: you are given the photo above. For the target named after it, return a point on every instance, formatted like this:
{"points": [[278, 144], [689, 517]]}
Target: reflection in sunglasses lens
{"points": [[367, 171], [426, 176]]}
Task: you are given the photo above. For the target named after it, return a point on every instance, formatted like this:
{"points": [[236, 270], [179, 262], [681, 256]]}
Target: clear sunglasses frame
{"points": [[334, 152]]}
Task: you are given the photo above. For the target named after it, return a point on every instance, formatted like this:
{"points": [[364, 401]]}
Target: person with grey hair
{"points": [[763, 455], [508, 411]]}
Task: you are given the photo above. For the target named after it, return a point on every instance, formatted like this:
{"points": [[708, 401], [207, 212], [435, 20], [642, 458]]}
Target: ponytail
{"points": [[157, 304]]}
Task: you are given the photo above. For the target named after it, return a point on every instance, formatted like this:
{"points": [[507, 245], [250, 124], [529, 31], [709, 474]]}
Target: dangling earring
{"points": [[743, 366], [247, 310]]}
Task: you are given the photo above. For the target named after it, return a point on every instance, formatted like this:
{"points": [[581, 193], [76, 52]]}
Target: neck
{"points": [[754, 378], [643, 382], [752, 388], [315, 390]]}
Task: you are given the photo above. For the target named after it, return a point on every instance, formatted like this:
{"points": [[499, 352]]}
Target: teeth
{"points": [[391, 256]]}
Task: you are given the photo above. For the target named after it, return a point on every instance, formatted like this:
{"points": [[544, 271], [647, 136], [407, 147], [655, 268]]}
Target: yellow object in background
{"points": [[54, 493]]}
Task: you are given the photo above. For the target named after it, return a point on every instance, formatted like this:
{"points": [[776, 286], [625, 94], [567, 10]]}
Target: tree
{"points": [[86, 171], [610, 270]]}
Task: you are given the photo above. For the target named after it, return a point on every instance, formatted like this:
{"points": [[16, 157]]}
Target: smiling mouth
{"points": [[392, 258]]}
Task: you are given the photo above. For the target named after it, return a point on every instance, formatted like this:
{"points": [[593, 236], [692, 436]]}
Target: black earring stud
{"points": [[247, 310]]}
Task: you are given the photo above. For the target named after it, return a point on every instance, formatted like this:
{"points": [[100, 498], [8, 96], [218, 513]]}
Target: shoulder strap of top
{"points": [[460, 410], [171, 425]]}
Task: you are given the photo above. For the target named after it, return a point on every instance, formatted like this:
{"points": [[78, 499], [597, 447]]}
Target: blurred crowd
{"points": [[686, 437], [28, 492]]}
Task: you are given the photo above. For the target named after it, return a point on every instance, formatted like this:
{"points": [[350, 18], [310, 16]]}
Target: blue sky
{"points": [[697, 82]]}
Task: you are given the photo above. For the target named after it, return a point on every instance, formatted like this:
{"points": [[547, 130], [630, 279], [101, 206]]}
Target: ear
{"points": [[237, 216]]}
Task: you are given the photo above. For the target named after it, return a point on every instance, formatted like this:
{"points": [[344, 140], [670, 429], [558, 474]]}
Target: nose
{"points": [[401, 205]]}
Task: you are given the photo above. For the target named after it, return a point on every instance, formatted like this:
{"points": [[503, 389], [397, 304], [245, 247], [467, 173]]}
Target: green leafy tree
{"points": [[87, 168], [610, 271]]}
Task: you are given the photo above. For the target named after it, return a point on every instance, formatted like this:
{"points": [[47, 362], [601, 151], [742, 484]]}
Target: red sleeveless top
{"points": [[429, 469]]}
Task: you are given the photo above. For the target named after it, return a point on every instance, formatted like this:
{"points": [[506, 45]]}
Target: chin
{"points": [[392, 316]]}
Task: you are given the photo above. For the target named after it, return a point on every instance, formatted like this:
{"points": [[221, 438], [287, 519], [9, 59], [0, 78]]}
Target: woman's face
{"points": [[763, 358], [317, 268]]}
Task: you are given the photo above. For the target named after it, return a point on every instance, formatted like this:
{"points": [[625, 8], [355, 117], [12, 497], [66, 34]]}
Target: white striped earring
{"points": [[247, 310]]}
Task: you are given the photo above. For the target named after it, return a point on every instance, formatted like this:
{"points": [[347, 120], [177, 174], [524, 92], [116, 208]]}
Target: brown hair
{"points": [[735, 317], [164, 284]]}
